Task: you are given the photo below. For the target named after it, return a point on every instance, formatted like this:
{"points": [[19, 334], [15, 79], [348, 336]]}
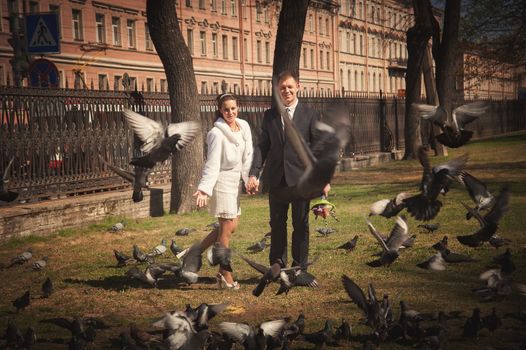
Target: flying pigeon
{"points": [[159, 142], [478, 192], [425, 206], [203, 313], [453, 133], [220, 255], [389, 207], [150, 276], [140, 256], [5, 194], [390, 247], [489, 224]]}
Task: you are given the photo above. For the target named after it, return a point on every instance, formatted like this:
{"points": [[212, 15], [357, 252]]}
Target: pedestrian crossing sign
{"points": [[42, 33]]}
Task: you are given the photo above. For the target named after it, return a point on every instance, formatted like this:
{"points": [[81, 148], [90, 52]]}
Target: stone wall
{"points": [[44, 218]]}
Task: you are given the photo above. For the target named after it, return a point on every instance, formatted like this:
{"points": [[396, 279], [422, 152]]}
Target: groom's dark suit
{"points": [[284, 169]]}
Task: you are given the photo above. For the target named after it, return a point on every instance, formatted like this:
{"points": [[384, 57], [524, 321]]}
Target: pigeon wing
{"points": [[377, 236], [454, 167], [5, 176], [258, 267], [467, 113], [500, 207], [474, 186], [355, 293], [306, 279], [192, 261], [148, 130], [236, 331], [272, 328], [398, 234], [426, 111], [187, 132]]}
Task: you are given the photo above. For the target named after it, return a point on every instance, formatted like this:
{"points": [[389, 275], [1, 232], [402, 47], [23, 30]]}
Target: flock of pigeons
{"points": [[189, 329]]}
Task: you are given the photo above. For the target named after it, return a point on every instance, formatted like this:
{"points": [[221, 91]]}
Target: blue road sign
{"points": [[42, 33]]}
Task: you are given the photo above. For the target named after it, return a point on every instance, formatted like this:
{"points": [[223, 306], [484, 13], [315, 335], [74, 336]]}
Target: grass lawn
{"points": [[87, 283]]}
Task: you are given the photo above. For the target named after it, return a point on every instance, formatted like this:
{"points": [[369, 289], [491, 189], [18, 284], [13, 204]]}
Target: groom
{"points": [[285, 168]]}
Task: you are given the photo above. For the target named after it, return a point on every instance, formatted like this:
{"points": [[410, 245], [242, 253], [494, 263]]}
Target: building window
{"points": [[188, 3], [215, 88], [258, 16], [245, 14], [79, 80], [56, 9], [235, 49], [320, 28], [361, 44], [133, 83], [163, 85], [202, 5], [327, 27], [101, 28], [202, 41], [354, 43], [267, 52], [214, 44], [103, 82], [116, 30], [149, 84], [190, 40], [148, 43], [266, 16], [321, 59], [213, 5], [348, 41], [204, 87], [2, 76], [223, 7], [130, 28], [312, 58], [258, 51], [328, 60], [77, 24], [117, 82], [304, 54], [349, 80], [245, 49], [33, 7], [233, 8], [225, 47], [311, 23]]}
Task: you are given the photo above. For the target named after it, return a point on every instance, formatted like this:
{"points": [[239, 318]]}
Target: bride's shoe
{"points": [[222, 283]]}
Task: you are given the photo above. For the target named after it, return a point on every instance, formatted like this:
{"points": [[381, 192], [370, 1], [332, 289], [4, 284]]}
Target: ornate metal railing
{"points": [[55, 137]]}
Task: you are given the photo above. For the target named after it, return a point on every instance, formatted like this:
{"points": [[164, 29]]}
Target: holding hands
{"points": [[252, 186], [201, 199]]}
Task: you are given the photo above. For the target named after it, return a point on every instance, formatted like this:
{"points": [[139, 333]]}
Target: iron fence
{"points": [[55, 137]]}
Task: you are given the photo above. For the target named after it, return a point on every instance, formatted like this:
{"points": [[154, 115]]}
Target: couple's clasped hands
{"points": [[252, 186]]}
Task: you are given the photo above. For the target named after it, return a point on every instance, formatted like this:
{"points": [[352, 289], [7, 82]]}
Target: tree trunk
{"points": [[289, 37], [446, 62], [184, 101], [417, 39]]}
